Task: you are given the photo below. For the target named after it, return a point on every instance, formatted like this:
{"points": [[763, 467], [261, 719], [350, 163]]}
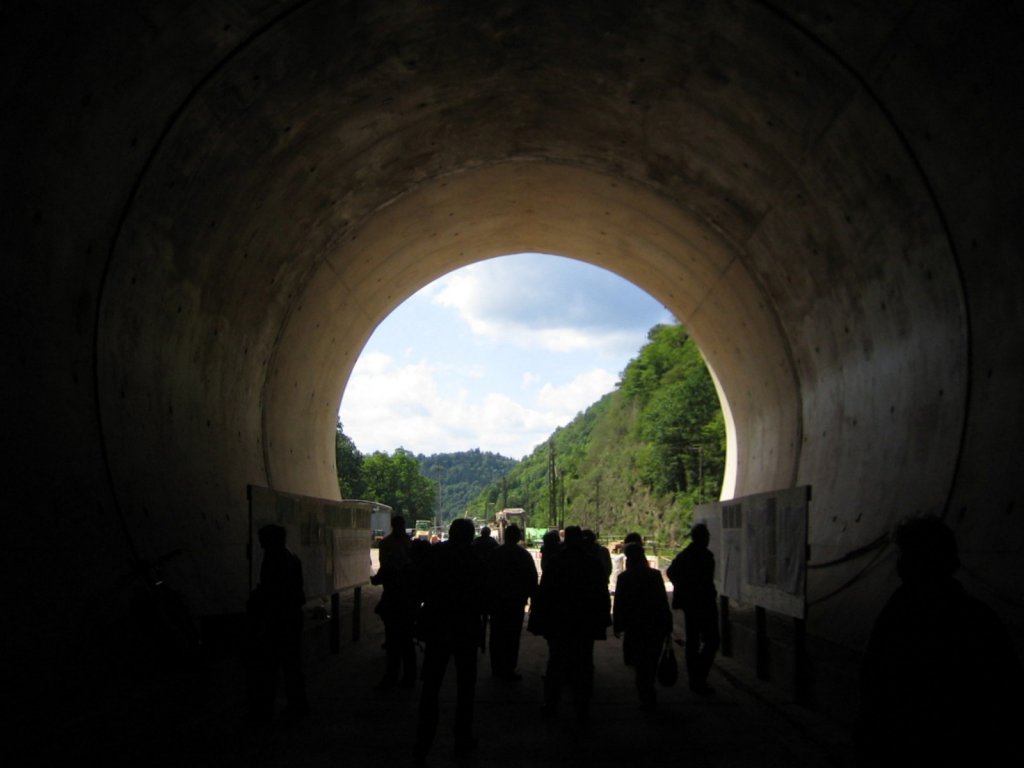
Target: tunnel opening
{"points": [[513, 353], [258, 346]]}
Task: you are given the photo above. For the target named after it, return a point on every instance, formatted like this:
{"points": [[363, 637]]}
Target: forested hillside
{"points": [[638, 459], [462, 476], [412, 485]]}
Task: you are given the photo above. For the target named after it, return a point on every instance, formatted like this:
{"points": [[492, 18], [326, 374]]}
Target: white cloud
{"points": [[379, 394], [388, 405], [374, 363], [546, 302], [528, 379], [584, 390], [495, 356]]}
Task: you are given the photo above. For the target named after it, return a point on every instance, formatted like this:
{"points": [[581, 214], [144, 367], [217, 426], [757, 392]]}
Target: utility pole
{"points": [[552, 484], [561, 499], [437, 517]]}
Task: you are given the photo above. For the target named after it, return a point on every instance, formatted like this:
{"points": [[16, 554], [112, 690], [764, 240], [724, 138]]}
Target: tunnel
{"points": [[209, 207]]}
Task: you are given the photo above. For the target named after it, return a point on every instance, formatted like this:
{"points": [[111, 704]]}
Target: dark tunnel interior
{"points": [[208, 207]]}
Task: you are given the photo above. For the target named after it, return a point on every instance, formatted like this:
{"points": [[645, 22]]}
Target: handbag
{"points": [[668, 670]]}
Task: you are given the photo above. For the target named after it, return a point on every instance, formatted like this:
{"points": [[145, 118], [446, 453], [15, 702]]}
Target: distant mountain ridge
{"points": [[463, 475]]}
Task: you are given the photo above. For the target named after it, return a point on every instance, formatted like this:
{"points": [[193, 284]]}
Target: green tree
{"points": [[397, 481], [646, 373], [349, 462], [674, 424]]}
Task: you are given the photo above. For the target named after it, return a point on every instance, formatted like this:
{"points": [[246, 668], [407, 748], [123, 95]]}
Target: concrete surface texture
{"points": [[208, 207]]}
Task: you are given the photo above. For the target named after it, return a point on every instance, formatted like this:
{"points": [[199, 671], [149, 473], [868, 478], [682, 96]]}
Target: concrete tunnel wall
{"points": [[210, 208]]}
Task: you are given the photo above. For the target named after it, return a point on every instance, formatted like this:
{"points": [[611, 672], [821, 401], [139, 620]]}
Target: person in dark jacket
{"points": [[451, 623], [550, 545], [599, 551], [511, 581], [573, 610], [692, 574], [275, 614], [643, 614], [485, 544], [397, 606], [941, 679]]}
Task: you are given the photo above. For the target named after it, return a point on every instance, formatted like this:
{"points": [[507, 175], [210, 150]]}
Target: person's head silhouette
{"points": [[461, 531], [700, 536], [927, 550], [635, 556], [272, 537], [513, 535]]}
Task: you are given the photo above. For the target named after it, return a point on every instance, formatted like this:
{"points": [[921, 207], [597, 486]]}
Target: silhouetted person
{"points": [[601, 553], [397, 606], [275, 611], [941, 681], [394, 548], [419, 553], [631, 538], [572, 610], [511, 581], [484, 544], [550, 544], [451, 623], [643, 614], [692, 574]]}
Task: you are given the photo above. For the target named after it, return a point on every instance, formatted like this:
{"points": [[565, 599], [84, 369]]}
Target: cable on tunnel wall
{"points": [[853, 579], [854, 553]]}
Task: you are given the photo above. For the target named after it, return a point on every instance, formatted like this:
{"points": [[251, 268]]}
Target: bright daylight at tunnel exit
{"points": [[528, 366]]}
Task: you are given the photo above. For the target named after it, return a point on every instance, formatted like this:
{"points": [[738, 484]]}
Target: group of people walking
{"points": [[446, 594], [442, 595], [642, 612]]}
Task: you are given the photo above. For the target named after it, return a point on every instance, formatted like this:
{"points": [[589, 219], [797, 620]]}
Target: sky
{"points": [[495, 356]]}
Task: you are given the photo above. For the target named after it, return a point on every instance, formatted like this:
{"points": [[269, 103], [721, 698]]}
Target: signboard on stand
{"points": [[332, 538], [760, 548]]}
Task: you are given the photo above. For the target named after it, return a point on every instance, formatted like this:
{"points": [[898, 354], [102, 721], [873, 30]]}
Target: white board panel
{"points": [[760, 547], [331, 538]]}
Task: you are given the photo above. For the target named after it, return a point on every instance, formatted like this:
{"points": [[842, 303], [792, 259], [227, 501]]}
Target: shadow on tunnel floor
{"points": [[353, 724]]}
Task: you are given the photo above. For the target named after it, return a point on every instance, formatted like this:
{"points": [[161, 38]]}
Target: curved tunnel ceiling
{"points": [[713, 155], [532, 207]]}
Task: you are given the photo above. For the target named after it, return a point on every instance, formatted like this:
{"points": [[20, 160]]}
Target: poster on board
{"points": [[760, 548], [331, 538]]}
